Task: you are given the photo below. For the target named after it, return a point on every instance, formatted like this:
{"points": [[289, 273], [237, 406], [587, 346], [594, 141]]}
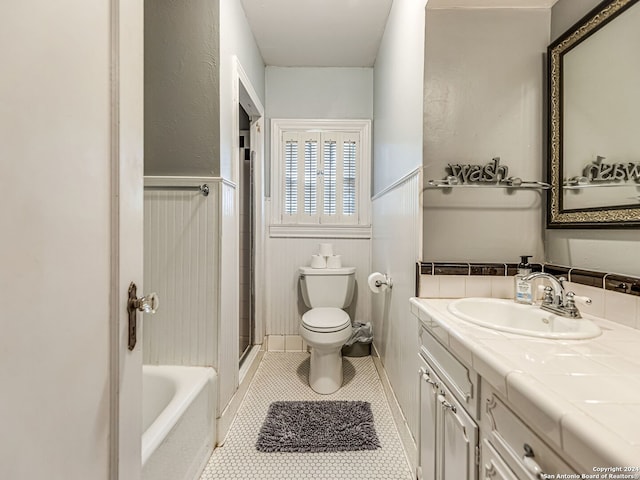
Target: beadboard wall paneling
{"points": [[180, 264], [396, 244], [284, 302], [228, 329]]}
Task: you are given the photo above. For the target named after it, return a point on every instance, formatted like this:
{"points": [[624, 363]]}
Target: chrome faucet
{"points": [[556, 300]]}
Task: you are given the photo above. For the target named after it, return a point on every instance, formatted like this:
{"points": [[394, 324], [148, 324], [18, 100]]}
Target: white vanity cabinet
{"points": [[448, 433], [467, 430], [533, 423]]}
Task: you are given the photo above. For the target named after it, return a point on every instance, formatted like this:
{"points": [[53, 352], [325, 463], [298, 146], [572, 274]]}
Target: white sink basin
{"points": [[508, 316]]}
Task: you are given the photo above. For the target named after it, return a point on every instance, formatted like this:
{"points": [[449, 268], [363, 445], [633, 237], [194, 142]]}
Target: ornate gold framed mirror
{"points": [[594, 120]]}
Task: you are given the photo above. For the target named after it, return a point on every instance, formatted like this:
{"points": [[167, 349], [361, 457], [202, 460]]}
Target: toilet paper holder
{"points": [[377, 281], [387, 281]]}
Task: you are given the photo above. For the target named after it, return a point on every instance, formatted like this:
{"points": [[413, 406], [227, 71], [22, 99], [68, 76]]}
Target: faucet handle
{"points": [[547, 292], [580, 298], [570, 305]]}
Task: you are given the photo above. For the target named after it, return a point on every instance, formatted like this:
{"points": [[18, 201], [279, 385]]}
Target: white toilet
{"points": [[326, 327]]}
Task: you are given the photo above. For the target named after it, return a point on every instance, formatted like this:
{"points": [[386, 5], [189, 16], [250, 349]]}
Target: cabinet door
{"points": [[428, 426], [459, 441]]}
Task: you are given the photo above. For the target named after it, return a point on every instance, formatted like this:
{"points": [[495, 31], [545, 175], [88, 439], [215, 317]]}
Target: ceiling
{"points": [[318, 33], [336, 33]]}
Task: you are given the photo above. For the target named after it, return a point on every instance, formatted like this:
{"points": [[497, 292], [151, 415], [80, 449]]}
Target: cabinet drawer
{"points": [[460, 379], [492, 466], [514, 441]]}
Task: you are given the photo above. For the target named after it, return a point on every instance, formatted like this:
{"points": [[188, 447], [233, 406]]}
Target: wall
{"points": [[591, 249], [236, 40], [236, 45], [182, 103], [190, 108], [319, 92], [398, 81], [189, 51], [395, 330], [484, 97], [567, 12], [313, 93], [398, 93], [181, 264]]}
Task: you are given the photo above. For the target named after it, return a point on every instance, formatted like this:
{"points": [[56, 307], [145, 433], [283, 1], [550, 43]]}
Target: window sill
{"points": [[320, 231]]}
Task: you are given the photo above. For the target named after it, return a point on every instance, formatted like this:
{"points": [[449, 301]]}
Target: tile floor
{"points": [[283, 376]]}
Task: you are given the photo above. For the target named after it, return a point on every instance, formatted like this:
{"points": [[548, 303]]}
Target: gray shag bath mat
{"points": [[323, 426]]}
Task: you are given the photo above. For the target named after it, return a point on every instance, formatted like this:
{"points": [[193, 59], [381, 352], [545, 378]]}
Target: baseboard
{"points": [[228, 415], [409, 444]]}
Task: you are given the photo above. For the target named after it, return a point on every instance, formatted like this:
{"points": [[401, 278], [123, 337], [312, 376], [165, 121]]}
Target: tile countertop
{"points": [[584, 395]]}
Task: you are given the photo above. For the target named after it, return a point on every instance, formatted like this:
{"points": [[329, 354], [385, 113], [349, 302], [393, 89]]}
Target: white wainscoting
{"points": [[397, 230], [286, 255], [228, 329], [191, 261], [180, 264]]}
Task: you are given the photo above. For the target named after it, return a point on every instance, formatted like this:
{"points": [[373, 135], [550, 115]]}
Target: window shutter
{"points": [[329, 170], [349, 178], [291, 177], [310, 177]]}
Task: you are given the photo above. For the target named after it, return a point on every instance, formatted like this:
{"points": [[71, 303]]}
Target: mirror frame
{"points": [[557, 217]]}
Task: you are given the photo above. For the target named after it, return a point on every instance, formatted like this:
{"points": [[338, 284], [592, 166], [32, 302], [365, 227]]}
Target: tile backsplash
{"points": [[614, 297]]}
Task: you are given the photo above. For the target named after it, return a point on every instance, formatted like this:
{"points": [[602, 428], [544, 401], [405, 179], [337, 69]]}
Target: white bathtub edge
{"points": [[191, 382]]}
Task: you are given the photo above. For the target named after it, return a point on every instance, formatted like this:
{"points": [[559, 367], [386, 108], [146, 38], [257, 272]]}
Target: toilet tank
{"points": [[327, 287]]}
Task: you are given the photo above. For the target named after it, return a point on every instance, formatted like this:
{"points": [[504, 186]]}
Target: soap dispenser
{"points": [[523, 288]]}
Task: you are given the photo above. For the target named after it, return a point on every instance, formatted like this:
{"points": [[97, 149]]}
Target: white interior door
{"points": [[127, 221], [71, 238]]}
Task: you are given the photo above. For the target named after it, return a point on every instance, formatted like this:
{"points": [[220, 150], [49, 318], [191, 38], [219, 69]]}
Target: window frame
{"points": [[283, 226]]}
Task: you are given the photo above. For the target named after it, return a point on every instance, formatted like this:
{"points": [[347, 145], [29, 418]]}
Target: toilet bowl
{"points": [[326, 327]]}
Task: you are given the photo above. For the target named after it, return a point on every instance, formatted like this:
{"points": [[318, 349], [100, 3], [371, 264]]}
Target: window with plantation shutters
{"points": [[320, 184], [322, 173]]}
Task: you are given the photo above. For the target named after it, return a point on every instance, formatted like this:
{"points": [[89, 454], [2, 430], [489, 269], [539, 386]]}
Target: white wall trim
{"points": [[398, 182], [256, 107], [226, 182], [177, 181], [180, 181], [320, 231]]}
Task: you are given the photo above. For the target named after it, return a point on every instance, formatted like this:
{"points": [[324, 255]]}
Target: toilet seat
{"points": [[326, 319]]}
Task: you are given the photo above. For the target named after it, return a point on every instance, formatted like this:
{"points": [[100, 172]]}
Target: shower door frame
{"points": [[246, 95]]}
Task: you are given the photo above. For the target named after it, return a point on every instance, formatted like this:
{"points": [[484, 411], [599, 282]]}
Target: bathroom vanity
{"points": [[497, 405]]}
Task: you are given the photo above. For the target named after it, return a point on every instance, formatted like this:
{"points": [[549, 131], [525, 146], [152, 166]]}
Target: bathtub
{"points": [[178, 421]]}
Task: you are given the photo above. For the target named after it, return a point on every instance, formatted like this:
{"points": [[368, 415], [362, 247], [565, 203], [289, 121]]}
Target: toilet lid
{"points": [[326, 319]]}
